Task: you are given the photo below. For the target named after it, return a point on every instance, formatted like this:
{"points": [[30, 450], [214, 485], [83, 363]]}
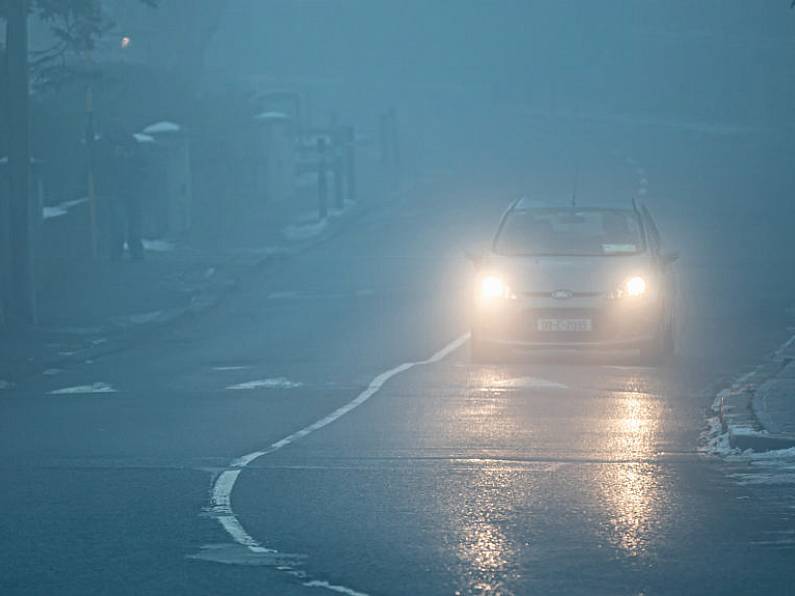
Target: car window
{"points": [[570, 232]]}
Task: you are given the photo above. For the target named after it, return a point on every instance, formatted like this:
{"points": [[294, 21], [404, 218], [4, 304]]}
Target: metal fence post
{"points": [[383, 128], [350, 162], [322, 180], [394, 144], [339, 197]]}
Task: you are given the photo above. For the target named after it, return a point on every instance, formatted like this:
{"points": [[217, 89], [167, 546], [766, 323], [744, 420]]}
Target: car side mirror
{"points": [[669, 258]]}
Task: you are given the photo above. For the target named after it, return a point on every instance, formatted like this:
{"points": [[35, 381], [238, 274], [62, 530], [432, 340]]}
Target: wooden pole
{"points": [[91, 182]]}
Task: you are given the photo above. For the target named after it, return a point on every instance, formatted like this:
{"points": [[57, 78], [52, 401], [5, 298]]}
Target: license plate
{"points": [[564, 325]]}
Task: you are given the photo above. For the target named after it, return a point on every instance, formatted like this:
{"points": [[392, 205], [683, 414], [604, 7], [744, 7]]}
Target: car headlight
{"points": [[491, 288], [633, 287]]}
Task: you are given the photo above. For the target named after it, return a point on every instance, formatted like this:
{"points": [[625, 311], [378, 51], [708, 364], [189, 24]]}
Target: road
{"points": [[550, 474]]}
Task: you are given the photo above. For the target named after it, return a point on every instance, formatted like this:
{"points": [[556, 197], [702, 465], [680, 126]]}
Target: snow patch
{"points": [[53, 212], [272, 116], [305, 232], [61, 209], [158, 245], [94, 388], [714, 441], [275, 383], [161, 127], [142, 318]]}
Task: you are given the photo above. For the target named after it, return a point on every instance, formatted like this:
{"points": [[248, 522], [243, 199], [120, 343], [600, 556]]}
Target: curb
{"points": [[202, 301], [738, 416], [124, 336]]}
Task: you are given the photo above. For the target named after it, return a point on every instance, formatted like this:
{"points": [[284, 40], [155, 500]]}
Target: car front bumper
{"points": [[614, 326]]}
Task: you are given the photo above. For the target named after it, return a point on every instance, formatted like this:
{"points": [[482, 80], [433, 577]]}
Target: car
{"points": [[574, 277]]}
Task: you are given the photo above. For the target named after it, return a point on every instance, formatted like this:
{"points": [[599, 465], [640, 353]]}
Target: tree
{"points": [[76, 26]]}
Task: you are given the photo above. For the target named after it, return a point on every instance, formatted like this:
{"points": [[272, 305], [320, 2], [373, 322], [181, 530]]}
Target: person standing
{"points": [[121, 171]]}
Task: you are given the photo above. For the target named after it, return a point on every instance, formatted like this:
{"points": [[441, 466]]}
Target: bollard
{"points": [[322, 181], [394, 145], [350, 162], [339, 197], [383, 128]]}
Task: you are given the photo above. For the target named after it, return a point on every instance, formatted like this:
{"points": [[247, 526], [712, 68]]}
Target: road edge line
{"points": [[224, 484]]}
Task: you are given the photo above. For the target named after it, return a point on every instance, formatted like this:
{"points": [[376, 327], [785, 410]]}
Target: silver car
{"points": [[574, 278]]}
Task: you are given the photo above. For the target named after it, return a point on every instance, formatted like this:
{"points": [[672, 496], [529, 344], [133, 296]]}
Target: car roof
{"points": [[528, 204]]}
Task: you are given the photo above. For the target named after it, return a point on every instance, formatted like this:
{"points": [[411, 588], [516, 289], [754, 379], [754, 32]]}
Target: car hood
{"points": [[576, 274]]}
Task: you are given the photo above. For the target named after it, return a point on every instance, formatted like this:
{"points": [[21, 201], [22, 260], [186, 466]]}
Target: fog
{"points": [[260, 332]]}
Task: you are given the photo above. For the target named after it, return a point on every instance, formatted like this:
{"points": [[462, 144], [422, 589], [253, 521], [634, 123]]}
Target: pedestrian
{"points": [[120, 173]]}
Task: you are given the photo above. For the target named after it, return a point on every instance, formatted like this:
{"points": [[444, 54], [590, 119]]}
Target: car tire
{"points": [[484, 352]]}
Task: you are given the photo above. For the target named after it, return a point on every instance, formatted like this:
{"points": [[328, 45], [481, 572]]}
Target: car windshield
{"points": [[570, 232]]}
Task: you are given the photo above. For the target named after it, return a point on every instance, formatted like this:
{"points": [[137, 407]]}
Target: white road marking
{"points": [[327, 586], [98, 387], [785, 347], [277, 383], [221, 493]]}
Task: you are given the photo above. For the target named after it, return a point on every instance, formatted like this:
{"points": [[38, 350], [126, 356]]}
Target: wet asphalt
{"points": [[545, 474]]}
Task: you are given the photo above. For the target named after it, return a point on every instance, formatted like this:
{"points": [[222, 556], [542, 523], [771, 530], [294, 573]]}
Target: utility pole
{"points": [[22, 294], [92, 186]]}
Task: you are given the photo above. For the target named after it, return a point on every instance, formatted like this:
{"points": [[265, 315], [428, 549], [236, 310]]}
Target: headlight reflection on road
{"points": [[481, 417], [489, 491], [631, 488], [482, 544]]}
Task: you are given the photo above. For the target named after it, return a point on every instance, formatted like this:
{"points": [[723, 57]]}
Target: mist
{"points": [[397, 296]]}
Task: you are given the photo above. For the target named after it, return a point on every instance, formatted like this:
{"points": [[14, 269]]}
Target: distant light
{"points": [[125, 42]]}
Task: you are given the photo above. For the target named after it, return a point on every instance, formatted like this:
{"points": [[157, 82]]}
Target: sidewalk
{"points": [[757, 412], [97, 308], [89, 309]]}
